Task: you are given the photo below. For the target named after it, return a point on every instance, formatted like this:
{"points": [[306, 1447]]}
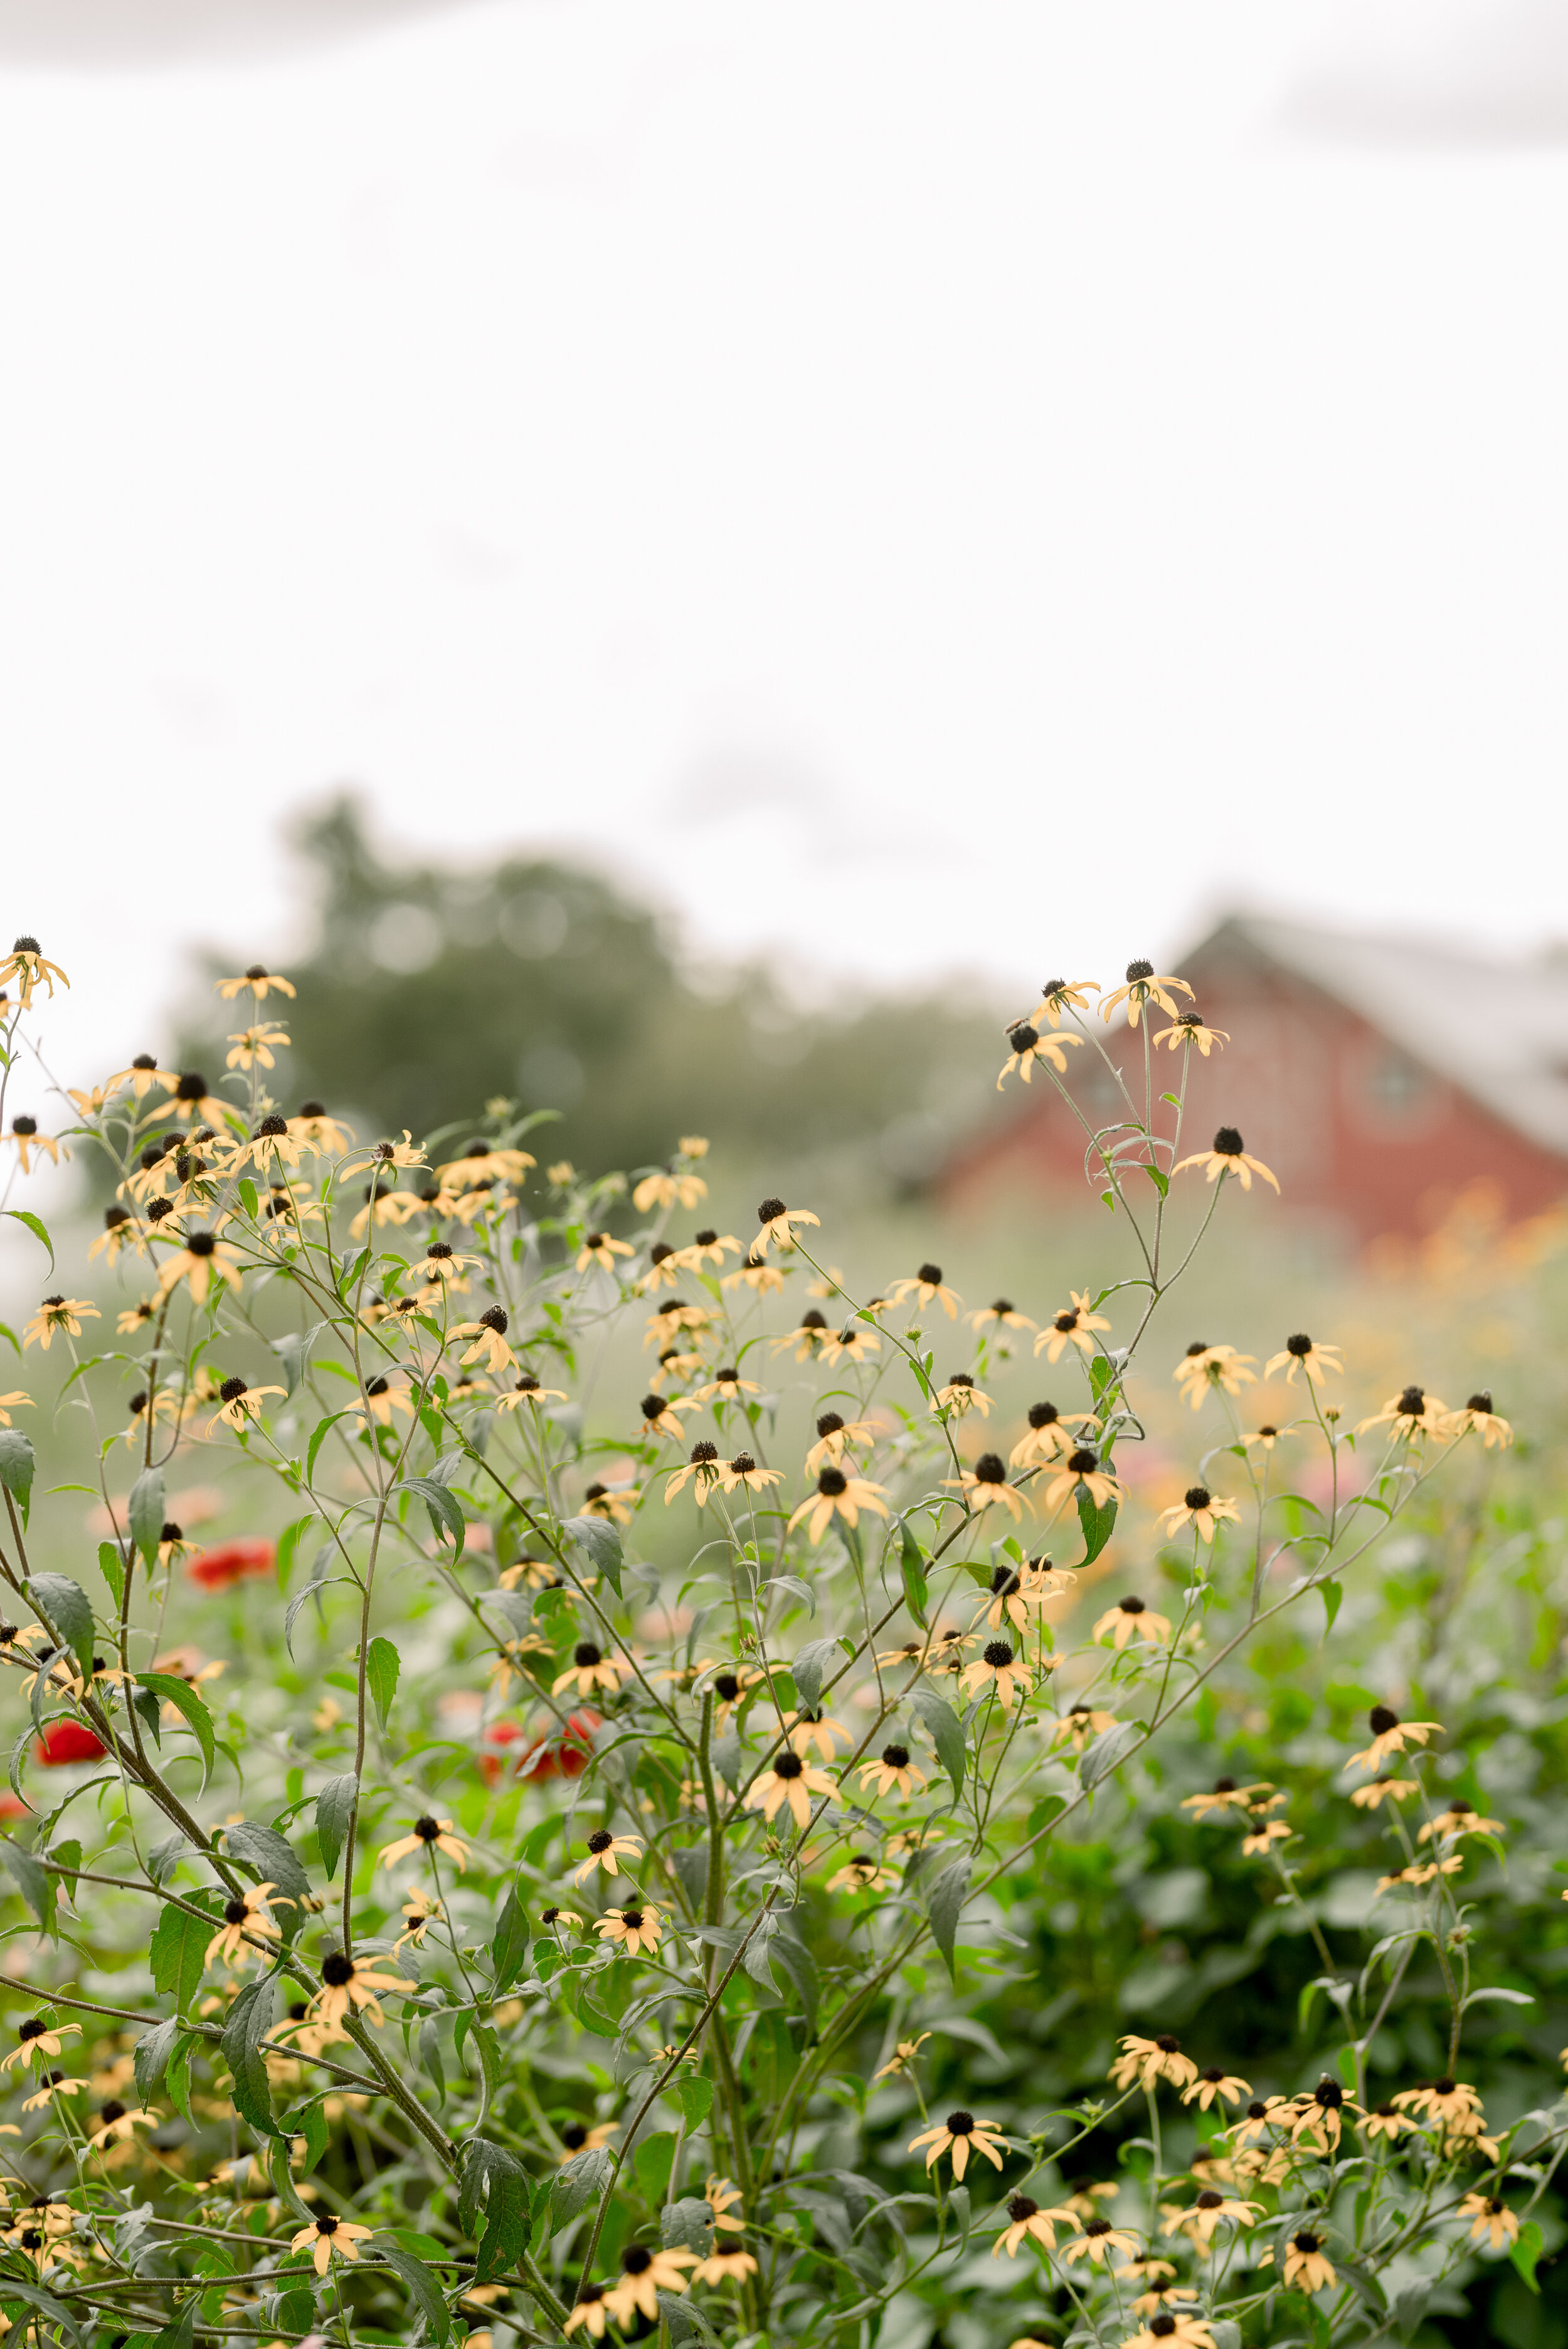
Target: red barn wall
{"points": [[1365, 1140]]}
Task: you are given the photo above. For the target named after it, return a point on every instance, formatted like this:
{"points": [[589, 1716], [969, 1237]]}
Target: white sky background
{"points": [[984, 484]]}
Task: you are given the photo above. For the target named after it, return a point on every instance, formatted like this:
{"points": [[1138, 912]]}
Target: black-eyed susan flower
{"points": [[381, 1398], [892, 1768], [853, 1343], [616, 1502], [926, 1287], [719, 2195], [555, 1918], [669, 1187], [1059, 995], [259, 980], [862, 1874], [428, 1834], [743, 1470], [203, 1258], [729, 2264], [662, 1418], [58, 1316], [1225, 1797], [1000, 1314], [674, 1363], [1315, 2118], [121, 1231], [142, 1076], [1419, 1876], [55, 2086], [1144, 2063], [778, 1223], [1372, 1797], [598, 1248], [1264, 1438], [607, 1851], [985, 1485], [1028, 1046], [632, 1929], [1301, 1352], [421, 1910], [956, 2136], [806, 1338], [592, 1669], [643, 2275], [1096, 2243], [256, 1047], [115, 2122], [36, 2039], [789, 1779], [834, 1435], [352, 1982], [525, 1388], [1227, 1155], [1459, 1818], [961, 1395], [997, 1668], [1386, 2121], [1445, 2100], [1410, 1413], [577, 2137], [329, 2238], [246, 1914], [1491, 2220], [441, 1262], [808, 1732], [312, 1123], [1305, 2267], [1080, 1724], [240, 1403], [727, 1385], [664, 1270], [27, 964], [1215, 2082], [1144, 985], [590, 2310], [756, 1274], [489, 1335], [703, 1471], [1081, 1472], [1200, 2221], [1199, 1508], [1203, 1367], [1074, 1325], [193, 1099], [1187, 1029], [1049, 1435], [1478, 1414], [842, 1496], [17, 1399], [1025, 2220], [1390, 1735], [24, 1138], [898, 2063], [1016, 1591], [1169, 2328], [1130, 1618]]}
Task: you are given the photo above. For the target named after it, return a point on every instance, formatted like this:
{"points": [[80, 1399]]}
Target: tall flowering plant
{"points": [[702, 1655]]}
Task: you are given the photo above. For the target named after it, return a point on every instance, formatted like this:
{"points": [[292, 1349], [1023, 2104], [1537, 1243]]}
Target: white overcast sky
{"points": [[910, 485]]}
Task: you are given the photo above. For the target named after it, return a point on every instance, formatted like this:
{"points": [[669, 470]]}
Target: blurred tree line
{"points": [[427, 990]]}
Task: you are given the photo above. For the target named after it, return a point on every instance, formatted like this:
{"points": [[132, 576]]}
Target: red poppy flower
{"points": [[563, 1754], [64, 1742], [232, 1562]]}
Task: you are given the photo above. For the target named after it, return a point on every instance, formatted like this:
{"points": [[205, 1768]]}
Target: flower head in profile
{"points": [[834, 1437], [1199, 1508], [1200, 2221], [1187, 1030], [1378, 1791], [203, 1258], [591, 2309], [999, 1315], [661, 1417], [669, 1187], [1080, 1724], [706, 1468], [855, 1342], [239, 1403], [727, 2264], [664, 1270], [842, 1496], [1301, 1352], [727, 1385], [1410, 1413], [1491, 2220], [607, 1851], [577, 2137], [789, 1779], [489, 1335], [1097, 2241], [1305, 2267], [1081, 1472], [720, 2197], [244, 1916], [35, 2039], [115, 2122], [1144, 985], [1059, 995], [428, 1834], [1074, 1325], [902, 2056], [1144, 2063], [742, 1470], [1029, 1046], [956, 2136], [1215, 2082], [779, 1223], [1202, 1368], [806, 1338], [1459, 1818], [1225, 1797], [862, 1874], [258, 980], [1390, 1735], [1025, 2220], [985, 1485], [24, 1138], [617, 1502], [999, 1670], [1017, 1591], [26, 962], [1171, 2328], [58, 1316], [756, 1274], [599, 1248], [1050, 1434], [643, 2275], [1479, 1414], [632, 1929], [959, 1396], [927, 1288], [1227, 1155]]}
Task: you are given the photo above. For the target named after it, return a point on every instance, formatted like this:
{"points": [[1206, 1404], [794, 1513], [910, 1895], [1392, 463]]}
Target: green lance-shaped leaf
{"points": [[146, 1512], [944, 1905], [946, 1732], [445, 1509], [16, 1467], [250, 2019], [69, 1609], [190, 1702], [334, 1809], [382, 1666], [601, 1540]]}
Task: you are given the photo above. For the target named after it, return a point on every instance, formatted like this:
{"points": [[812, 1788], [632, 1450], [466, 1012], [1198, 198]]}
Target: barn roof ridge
{"points": [[1496, 1027]]}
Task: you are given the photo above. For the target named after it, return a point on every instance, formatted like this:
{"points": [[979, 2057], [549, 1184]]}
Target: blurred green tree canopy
{"points": [[542, 981]]}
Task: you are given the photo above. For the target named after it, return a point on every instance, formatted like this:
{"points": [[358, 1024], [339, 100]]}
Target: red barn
{"points": [[1377, 1077]]}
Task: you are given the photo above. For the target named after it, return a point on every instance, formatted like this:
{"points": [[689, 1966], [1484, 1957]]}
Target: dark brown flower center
{"points": [[830, 1423], [896, 1756], [990, 1469], [998, 1653], [960, 2124], [832, 1482], [1382, 1719], [1197, 1497], [585, 1654], [1083, 1462], [1228, 1143], [788, 1765]]}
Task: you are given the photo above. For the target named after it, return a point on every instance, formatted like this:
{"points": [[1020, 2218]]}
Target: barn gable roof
{"points": [[1499, 1029]]}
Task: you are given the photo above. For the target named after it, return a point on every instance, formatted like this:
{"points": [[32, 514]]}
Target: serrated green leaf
{"points": [[445, 1511], [177, 1952], [35, 1883], [695, 2100], [249, 2020], [16, 1465], [601, 1540]]}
